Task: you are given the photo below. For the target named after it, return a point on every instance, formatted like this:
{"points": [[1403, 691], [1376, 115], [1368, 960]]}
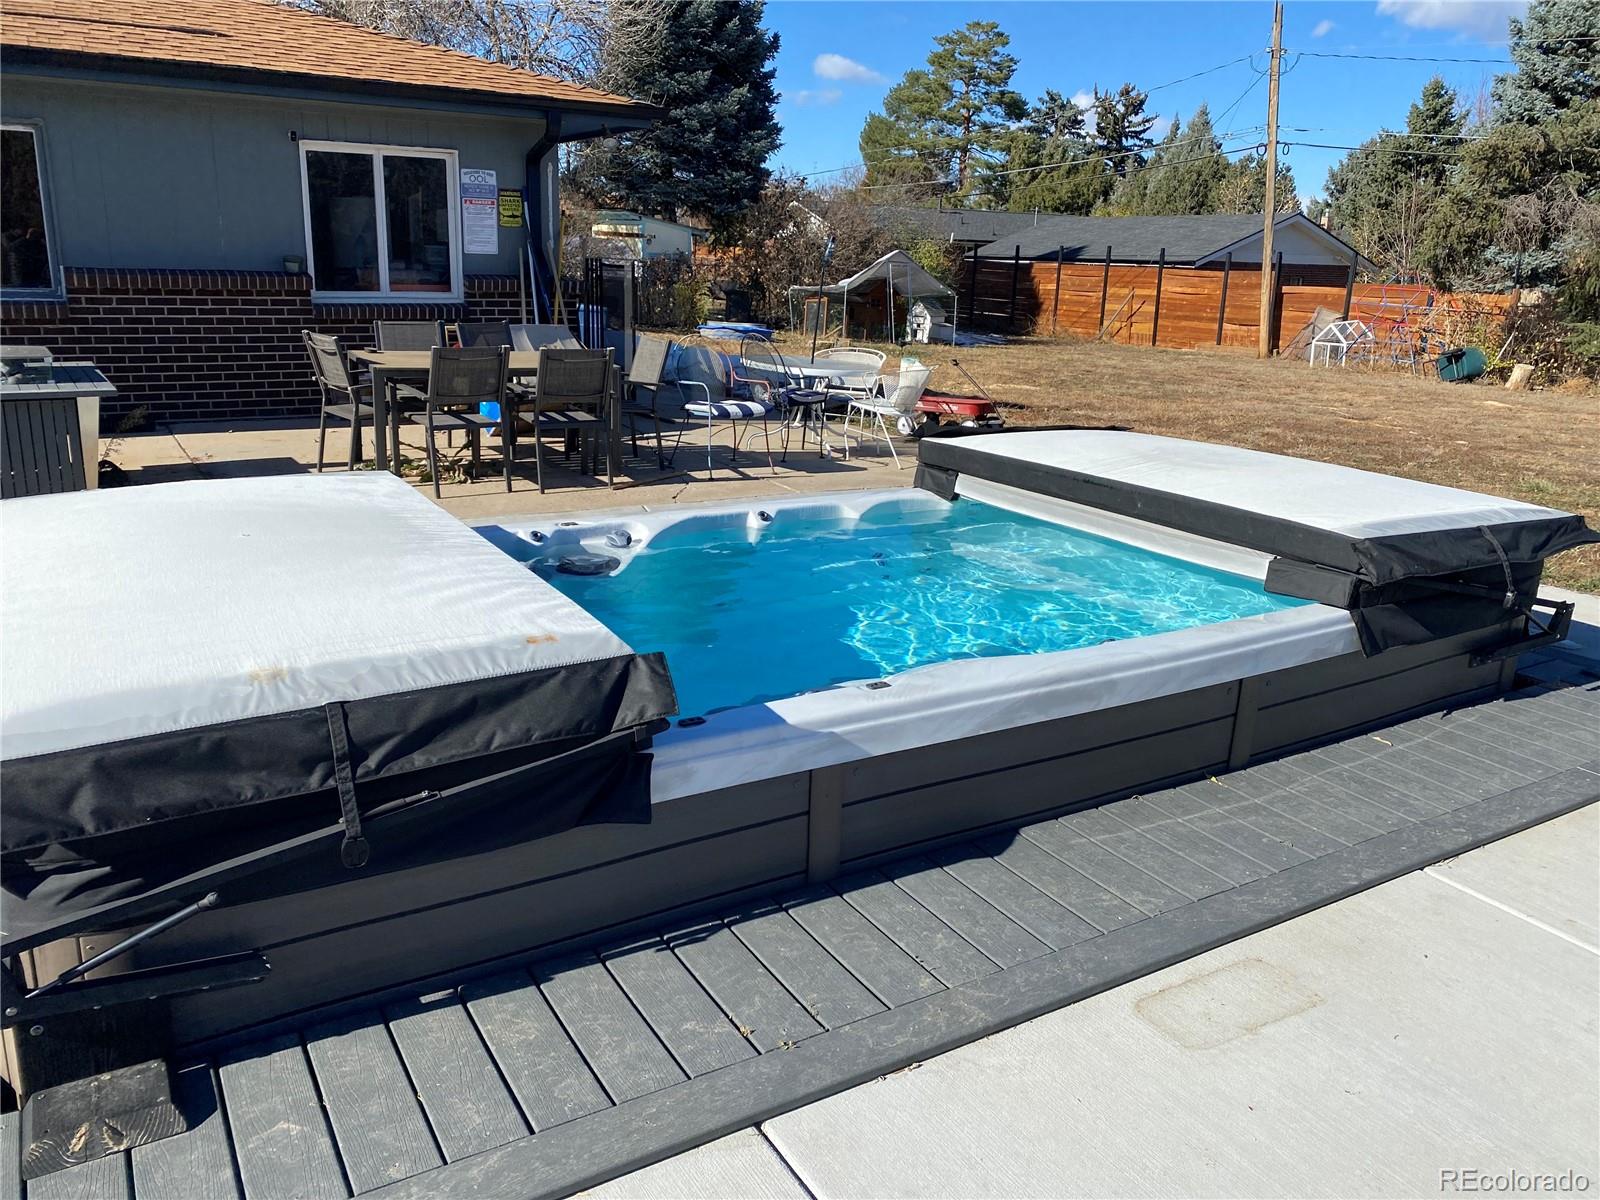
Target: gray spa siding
{"points": [[160, 177]]}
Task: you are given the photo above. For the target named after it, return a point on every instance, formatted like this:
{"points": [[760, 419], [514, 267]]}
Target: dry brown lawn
{"points": [[1542, 447]]}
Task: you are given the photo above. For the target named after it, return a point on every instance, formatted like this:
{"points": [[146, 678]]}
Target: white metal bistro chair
{"points": [[894, 399]]}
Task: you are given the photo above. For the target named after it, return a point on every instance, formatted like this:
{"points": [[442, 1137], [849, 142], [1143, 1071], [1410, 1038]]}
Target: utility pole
{"points": [[1264, 346]]}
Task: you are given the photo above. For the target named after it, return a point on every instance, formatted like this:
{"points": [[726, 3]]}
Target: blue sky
{"points": [[837, 59]]}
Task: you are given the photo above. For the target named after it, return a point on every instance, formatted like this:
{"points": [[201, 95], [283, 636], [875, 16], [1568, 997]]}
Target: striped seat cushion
{"points": [[727, 410]]}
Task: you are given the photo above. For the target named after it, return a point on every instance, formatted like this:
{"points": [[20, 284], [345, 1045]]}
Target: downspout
{"points": [[542, 196]]}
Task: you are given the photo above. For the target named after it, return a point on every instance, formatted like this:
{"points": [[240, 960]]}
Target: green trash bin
{"points": [[1461, 365]]}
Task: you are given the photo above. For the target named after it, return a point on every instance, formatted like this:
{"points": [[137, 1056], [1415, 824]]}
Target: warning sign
{"points": [[510, 208]]}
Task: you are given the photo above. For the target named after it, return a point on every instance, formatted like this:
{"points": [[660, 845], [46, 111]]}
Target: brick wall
{"points": [[215, 345]]}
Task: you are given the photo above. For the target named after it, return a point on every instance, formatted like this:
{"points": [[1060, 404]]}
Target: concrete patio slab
{"points": [[1362, 1049], [1546, 874], [741, 1166]]}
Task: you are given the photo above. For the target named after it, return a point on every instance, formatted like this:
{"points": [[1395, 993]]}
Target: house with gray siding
{"points": [[186, 187]]}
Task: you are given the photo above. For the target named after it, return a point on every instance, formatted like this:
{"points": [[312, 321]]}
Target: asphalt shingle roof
{"points": [[1132, 239], [260, 36]]}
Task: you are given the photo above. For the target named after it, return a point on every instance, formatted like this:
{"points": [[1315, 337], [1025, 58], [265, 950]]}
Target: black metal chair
{"points": [[459, 380], [407, 335], [571, 396], [541, 337], [335, 378]]}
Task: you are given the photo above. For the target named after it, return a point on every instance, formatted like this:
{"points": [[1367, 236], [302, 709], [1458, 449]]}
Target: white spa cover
{"points": [[168, 607], [1340, 499]]}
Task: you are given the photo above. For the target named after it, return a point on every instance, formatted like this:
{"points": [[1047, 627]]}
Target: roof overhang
{"points": [[1300, 221], [602, 119]]}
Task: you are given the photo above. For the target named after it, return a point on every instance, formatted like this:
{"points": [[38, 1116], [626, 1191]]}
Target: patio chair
{"points": [[895, 398], [407, 335], [644, 375], [459, 380], [789, 390], [335, 378], [745, 398], [858, 367], [484, 333], [537, 337], [570, 396]]}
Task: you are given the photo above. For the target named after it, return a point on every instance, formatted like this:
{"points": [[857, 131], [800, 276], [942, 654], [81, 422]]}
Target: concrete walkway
{"points": [[218, 450], [1443, 1022]]}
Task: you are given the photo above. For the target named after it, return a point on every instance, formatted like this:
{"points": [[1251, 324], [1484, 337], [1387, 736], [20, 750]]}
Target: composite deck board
{"points": [[378, 1125], [1263, 848], [830, 993], [1316, 803], [761, 1007], [462, 1094], [1168, 865], [1072, 889], [1052, 923], [1291, 831], [1536, 730], [625, 1054], [98, 1179], [684, 1017], [1469, 765], [10, 1155], [868, 953], [1182, 838], [281, 1139], [1322, 789], [1112, 872], [1580, 722], [1377, 789], [198, 1163], [545, 1071], [969, 914], [1417, 776], [1504, 744], [941, 950]]}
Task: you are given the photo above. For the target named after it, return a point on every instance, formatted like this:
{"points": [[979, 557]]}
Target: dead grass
{"points": [[1541, 446]]}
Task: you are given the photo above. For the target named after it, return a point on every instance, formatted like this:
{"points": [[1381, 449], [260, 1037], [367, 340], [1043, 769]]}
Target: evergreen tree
{"points": [[956, 112], [1121, 127], [1056, 120], [1193, 168], [1556, 47], [1244, 188], [1049, 164], [710, 68], [1131, 198]]}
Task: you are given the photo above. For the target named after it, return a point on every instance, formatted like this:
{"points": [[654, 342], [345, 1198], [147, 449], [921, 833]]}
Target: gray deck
{"points": [[544, 1079]]}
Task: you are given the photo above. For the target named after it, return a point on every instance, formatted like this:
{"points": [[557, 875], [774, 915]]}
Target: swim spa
{"points": [[397, 747]]}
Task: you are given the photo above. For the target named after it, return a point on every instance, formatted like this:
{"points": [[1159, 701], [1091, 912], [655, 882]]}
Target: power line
{"points": [[1403, 58], [1208, 71]]}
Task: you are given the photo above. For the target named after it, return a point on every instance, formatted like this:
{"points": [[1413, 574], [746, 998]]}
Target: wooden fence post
{"points": [[1105, 286], [1222, 304], [1350, 284], [1277, 300], [1155, 317], [1016, 271], [1055, 303]]}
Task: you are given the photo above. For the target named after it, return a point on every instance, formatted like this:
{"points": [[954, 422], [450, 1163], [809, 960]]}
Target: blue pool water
{"points": [[814, 603]]}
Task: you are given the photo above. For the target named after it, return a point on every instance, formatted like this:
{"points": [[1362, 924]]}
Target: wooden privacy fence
{"points": [[1189, 307]]}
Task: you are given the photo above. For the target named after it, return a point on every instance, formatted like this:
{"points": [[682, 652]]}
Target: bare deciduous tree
{"points": [[576, 40]]}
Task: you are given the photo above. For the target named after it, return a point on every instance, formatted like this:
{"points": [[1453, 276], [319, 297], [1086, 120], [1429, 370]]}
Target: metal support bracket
{"points": [[1548, 634]]}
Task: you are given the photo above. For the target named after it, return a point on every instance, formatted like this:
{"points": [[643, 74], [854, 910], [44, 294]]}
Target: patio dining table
{"points": [[411, 366]]}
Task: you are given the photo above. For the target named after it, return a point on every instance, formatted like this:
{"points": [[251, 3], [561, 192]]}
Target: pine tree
{"points": [[957, 111], [1121, 127], [1048, 165], [1556, 47], [711, 69]]}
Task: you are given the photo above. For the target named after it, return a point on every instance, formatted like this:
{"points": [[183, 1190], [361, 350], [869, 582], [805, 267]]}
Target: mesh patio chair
{"points": [[538, 337], [335, 379], [571, 396], [894, 399], [484, 333], [858, 367], [644, 376], [459, 380], [407, 335]]}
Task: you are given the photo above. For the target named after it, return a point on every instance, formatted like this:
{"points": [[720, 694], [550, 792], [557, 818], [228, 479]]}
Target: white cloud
{"points": [[1085, 101], [845, 70], [807, 98], [1323, 29], [1483, 19]]}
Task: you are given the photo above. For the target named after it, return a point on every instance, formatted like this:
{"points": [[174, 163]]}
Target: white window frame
{"points": [[376, 151], [57, 289]]}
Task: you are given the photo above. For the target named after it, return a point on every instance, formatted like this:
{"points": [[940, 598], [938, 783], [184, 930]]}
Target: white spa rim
{"points": [[941, 702]]}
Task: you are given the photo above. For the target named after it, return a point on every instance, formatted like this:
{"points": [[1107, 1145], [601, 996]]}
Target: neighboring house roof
{"points": [[954, 224], [1188, 240], [243, 40]]}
